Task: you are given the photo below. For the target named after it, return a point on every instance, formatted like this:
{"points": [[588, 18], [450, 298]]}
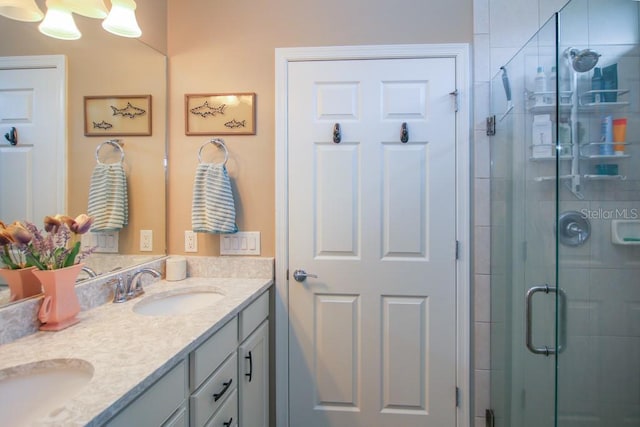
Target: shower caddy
{"points": [[570, 104]]}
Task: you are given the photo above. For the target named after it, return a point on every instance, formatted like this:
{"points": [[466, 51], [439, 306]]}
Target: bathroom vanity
{"points": [[206, 366]]}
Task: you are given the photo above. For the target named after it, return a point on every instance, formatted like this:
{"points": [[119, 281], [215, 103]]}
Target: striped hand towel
{"points": [[213, 209], [108, 200]]}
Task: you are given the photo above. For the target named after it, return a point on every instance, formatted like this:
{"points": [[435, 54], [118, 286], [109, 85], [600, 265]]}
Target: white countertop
{"points": [[128, 351]]}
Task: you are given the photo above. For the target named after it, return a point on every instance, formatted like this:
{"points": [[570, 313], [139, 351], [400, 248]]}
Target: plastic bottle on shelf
{"points": [[597, 83], [540, 85], [551, 86], [564, 85], [541, 136], [606, 136]]}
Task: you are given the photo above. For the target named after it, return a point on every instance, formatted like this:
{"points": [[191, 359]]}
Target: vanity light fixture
{"points": [[58, 22], [122, 19], [21, 10]]}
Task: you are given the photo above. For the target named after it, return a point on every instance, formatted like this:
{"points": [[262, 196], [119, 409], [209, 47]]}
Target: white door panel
{"points": [[372, 339], [30, 101]]}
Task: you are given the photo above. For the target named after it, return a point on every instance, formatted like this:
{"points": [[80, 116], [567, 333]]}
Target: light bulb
{"points": [[58, 22], [122, 19], [21, 10]]}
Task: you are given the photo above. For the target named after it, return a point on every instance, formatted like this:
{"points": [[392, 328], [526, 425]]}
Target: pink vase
{"points": [[22, 283], [60, 304]]}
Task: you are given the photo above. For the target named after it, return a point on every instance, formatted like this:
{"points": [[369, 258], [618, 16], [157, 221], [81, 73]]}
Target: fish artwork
{"points": [[128, 111], [205, 110], [235, 124], [102, 125]]}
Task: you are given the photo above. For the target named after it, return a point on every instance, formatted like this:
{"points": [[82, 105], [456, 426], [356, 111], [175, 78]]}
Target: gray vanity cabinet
{"points": [[214, 373], [220, 384], [253, 360]]}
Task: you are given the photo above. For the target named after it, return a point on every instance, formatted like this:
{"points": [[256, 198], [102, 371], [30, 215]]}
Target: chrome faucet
{"points": [[119, 294], [89, 271], [134, 287]]}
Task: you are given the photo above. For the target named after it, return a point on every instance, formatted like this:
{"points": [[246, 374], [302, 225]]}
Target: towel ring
{"points": [[115, 143], [220, 143]]}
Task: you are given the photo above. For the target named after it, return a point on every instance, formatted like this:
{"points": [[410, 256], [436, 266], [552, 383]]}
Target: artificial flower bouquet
{"points": [[57, 246]]}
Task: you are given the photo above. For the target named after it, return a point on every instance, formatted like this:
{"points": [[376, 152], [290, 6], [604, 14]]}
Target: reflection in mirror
{"points": [[102, 64]]}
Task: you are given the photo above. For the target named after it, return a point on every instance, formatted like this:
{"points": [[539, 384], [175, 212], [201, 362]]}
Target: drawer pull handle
{"points": [[228, 423], [250, 374], [226, 385]]}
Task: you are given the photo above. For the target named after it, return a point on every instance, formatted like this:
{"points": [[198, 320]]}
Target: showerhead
{"points": [[582, 60]]}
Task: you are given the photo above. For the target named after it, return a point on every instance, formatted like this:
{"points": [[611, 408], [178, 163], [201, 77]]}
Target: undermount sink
{"points": [[177, 302], [33, 391]]}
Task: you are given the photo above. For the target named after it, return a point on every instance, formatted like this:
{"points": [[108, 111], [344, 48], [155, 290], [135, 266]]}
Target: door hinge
{"points": [[490, 418], [457, 249], [457, 397], [287, 274], [455, 94], [491, 125]]}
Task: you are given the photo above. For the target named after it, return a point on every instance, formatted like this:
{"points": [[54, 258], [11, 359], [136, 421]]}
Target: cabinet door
{"points": [[158, 403], [254, 378]]}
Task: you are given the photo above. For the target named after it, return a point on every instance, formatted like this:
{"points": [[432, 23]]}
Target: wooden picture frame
{"points": [[220, 114], [117, 115]]}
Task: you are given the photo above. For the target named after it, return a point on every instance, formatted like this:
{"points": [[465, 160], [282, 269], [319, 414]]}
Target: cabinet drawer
{"points": [[158, 402], [227, 416], [252, 316], [214, 391], [179, 419], [206, 358]]}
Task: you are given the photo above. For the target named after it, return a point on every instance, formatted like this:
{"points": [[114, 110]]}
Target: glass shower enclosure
{"points": [[565, 223]]}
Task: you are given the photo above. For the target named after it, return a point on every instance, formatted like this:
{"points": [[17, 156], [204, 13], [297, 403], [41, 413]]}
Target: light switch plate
{"points": [[104, 241], [240, 243]]}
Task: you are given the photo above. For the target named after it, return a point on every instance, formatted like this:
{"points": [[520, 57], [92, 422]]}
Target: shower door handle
{"points": [[562, 307]]}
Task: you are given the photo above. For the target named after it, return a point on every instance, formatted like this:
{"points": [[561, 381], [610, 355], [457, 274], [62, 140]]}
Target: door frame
{"points": [[59, 63], [458, 51]]}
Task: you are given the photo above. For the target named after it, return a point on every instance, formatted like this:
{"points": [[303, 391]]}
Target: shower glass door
{"points": [[523, 245], [598, 376], [565, 223]]}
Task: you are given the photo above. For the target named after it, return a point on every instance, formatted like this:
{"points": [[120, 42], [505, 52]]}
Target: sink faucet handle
{"points": [[119, 293], [134, 287]]}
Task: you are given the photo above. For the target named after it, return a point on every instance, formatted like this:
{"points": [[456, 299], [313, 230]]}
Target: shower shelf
{"points": [[550, 178], [604, 156], [625, 231], [548, 158], [588, 176], [605, 177], [604, 105]]}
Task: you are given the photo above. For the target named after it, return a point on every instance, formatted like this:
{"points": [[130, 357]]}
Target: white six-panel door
{"points": [[33, 172], [372, 339]]}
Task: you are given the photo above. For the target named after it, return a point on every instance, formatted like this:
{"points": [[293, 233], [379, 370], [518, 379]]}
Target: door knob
{"points": [[301, 275]]}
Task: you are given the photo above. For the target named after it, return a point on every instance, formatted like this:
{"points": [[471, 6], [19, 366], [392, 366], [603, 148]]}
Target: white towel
{"points": [[213, 209], [108, 200]]}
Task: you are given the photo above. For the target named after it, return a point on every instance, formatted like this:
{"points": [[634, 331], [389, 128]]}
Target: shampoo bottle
{"points": [[551, 86], [597, 84], [540, 86], [541, 136]]}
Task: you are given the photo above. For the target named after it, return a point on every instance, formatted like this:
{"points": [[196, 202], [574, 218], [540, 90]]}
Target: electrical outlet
{"points": [[190, 241], [146, 240]]}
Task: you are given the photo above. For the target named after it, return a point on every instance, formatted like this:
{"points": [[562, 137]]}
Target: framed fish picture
{"points": [[220, 114], [117, 115]]}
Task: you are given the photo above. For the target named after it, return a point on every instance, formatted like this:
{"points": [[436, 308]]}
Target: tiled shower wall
{"points": [[501, 28]]}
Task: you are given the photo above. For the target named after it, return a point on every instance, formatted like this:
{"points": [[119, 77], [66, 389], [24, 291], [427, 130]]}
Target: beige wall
{"points": [[103, 64], [229, 47]]}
